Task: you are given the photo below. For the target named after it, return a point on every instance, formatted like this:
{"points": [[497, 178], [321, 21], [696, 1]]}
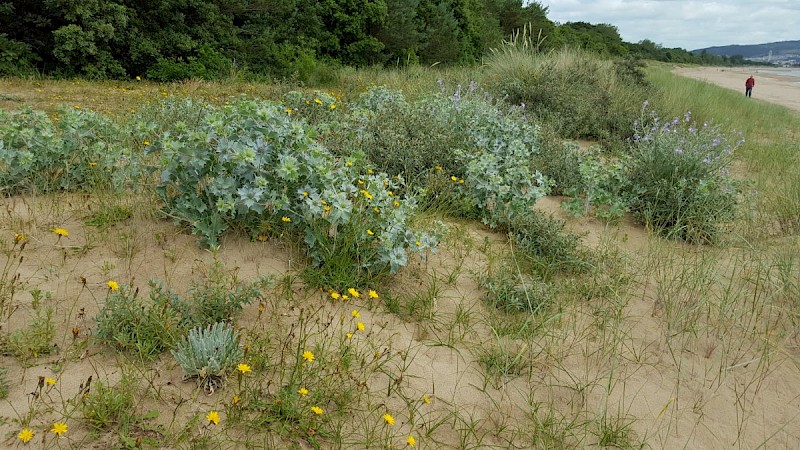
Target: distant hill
{"points": [[780, 50]]}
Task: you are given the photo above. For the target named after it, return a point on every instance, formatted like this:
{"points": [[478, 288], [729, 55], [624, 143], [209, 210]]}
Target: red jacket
{"points": [[750, 82]]}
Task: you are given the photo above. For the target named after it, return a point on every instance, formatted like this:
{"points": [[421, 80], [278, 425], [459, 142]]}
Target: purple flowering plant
{"points": [[679, 175]]}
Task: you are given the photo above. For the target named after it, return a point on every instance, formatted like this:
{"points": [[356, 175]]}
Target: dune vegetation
{"points": [[550, 250]]}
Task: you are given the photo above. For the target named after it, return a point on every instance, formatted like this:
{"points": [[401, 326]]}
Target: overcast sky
{"points": [[687, 24]]}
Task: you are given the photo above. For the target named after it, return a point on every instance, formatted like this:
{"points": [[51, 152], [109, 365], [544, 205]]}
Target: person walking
{"points": [[748, 86]]}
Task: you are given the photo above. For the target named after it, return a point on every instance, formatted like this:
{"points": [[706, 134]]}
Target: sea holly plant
{"points": [[678, 175], [72, 151], [251, 166]]}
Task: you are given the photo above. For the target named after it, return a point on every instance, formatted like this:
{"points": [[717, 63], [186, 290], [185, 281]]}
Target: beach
{"points": [[774, 85]]}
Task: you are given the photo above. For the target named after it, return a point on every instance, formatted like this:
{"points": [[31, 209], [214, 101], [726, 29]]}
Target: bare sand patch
{"points": [[770, 85]]}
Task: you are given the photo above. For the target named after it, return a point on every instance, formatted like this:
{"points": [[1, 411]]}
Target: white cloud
{"points": [[687, 24]]}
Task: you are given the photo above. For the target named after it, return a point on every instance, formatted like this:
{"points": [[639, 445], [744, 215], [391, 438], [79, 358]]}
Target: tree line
{"points": [[177, 39]]}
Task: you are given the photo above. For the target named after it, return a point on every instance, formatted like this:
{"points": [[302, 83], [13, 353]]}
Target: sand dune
{"points": [[781, 89]]}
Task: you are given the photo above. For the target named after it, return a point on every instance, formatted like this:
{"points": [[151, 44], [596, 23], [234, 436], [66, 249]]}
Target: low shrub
{"points": [[106, 407], [36, 339], [221, 297], [678, 173], [145, 327]]}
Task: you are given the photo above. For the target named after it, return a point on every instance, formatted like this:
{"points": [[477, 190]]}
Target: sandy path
{"points": [[780, 89]]}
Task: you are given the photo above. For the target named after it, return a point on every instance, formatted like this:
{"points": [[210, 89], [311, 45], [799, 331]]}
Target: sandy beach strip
{"points": [[772, 87]]}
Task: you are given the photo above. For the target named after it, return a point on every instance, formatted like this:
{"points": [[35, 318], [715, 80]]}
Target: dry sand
{"points": [[770, 86]]}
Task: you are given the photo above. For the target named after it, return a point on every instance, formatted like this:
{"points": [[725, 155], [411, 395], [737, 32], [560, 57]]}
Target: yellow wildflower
{"points": [[302, 391], [288, 110], [25, 435], [396, 204], [354, 293], [305, 194], [213, 417], [50, 381], [388, 419], [146, 143], [349, 164], [454, 178], [410, 441], [335, 295], [317, 101], [426, 400], [438, 167], [317, 410], [59, 428], [349, 335], [370, 171], [369, 232], [236, 399], [308, 356], [360, 326], [92, 163], [138, 78], [373, 294], [61, 232], [333, 107], [19, 237], [286, 219], [355, 313], [326, 209], [112, 285], [243, 368], [344, 297]]}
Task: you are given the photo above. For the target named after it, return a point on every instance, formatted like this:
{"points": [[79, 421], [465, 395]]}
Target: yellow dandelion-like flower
{"points": [[355, 313], [25, 435], [354, 293], [373, 294], [305, 194], [19, 237], [286, 219], [370, 171], [361, 183], [461, 181], [50, 381], [317, 410], [288, 110], [146, 143], [59, 428], [236, 399], [388, 419], [391, 194], [439, 167], [308, 356], [349, 335], [418, 244], [369, 232], [317, 101], [410, 441], [138, 78], [454, 178], [396, 204], [302, 391], [61, 232], [333, 107], [349, 164], [213, 417], [92, 163], [376, 209], [243, 368], [360, 326], [112, 285], [426, 400], [335, 295], [326, 209]]}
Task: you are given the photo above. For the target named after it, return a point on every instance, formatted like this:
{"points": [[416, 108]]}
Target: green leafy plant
{"points": [[37, 338], [220, 297], [106, 407], [207, 354], [145, 327]]}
